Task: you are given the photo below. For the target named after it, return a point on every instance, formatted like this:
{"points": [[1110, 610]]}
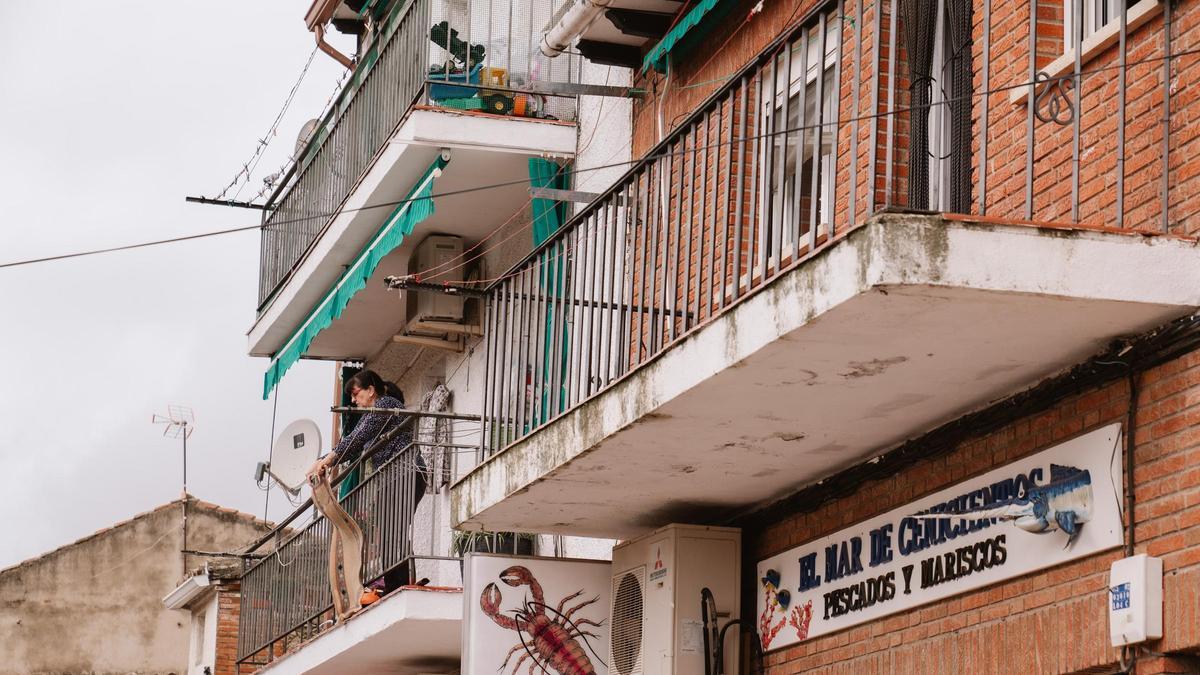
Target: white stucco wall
{"points": [[202, 653], [605, 130]]}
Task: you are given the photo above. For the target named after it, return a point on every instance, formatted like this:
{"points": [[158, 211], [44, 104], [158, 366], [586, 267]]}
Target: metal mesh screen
{"points": [[628, 602]]}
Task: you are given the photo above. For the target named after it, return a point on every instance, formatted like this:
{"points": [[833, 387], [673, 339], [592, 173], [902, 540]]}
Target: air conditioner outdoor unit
{"points": [[657, 625], [439, 257]]}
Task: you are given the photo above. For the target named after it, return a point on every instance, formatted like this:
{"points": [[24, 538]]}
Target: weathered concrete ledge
{"points": [[907, 322]]}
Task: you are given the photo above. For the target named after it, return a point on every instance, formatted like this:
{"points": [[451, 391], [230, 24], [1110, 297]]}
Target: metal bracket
{"points": [[563, 195], [576, 89]]}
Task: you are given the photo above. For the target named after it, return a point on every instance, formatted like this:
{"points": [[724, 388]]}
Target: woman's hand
{"points": [[320, 466]]}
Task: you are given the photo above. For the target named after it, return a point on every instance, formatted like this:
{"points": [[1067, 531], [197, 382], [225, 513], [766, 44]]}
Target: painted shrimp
{"points": [[552, 643]]}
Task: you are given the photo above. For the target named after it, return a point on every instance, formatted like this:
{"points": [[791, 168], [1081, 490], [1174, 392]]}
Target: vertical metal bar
{"points": [[516, 317], [770, 226], [724, 141], [596, 259], [837, 116], [588, 306], [1077, 42], [557, 284], [654, 209], [676, 245], [819, 108], [781, 137], [1166, 119], [665, 202], [647, 210], [852, 203], [801, 141], [757, 241], [1122, 54], [508, 34], [522, 348], [740, 199], [874, 142], [630, 232], [1029, 106], [489, 377], [702, 308], [694, 234], [708, 199], [485, 310], [507, 328], [578, 269], [541, 342], [891, 104], [984, 115], [619, 204], [684, 231]]}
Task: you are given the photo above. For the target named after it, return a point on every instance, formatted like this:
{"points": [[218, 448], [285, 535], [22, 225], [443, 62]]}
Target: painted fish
{"points": [[1065, 503]]}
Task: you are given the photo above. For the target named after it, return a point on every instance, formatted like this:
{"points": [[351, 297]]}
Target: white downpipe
{"points": [[571, 25]]}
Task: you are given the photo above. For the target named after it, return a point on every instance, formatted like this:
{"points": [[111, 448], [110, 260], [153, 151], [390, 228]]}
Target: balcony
{"points": [[796, 280], [287, 619], [443, 77]]}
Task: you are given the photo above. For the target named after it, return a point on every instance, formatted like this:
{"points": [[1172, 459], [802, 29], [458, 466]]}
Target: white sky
{"points": [[111, 113]]}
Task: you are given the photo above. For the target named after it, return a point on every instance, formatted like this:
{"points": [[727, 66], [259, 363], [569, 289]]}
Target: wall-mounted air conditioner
{"points": [[437, 257], [657, 626]]}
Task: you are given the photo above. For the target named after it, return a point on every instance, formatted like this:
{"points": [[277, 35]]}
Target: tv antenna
{"points": [[180, 422], [292, 453]]}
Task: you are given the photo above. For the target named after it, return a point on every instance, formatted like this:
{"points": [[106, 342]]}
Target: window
{"points": [[796, 159], [1096, 15]]}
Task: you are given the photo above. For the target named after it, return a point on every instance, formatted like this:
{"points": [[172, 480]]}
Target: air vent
{"points": [[628, 602]]}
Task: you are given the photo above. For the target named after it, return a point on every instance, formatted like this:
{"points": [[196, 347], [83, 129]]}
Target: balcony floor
{"points": [[417, 630], [907, 323]]}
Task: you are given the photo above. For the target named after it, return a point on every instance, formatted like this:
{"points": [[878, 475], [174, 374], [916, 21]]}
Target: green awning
{"points": [[657, 58], [417, 206], [548, 216]]}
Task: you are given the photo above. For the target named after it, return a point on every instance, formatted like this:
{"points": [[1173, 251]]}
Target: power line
{"points": [[648, 158]]}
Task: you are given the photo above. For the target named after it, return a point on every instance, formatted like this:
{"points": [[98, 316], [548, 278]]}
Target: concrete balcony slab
{"points": [[415, 631], [907, 322]]}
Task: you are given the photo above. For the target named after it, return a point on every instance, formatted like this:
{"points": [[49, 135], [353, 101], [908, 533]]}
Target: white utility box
{"points": [[439, 257], [657, 626], [1135, 600]]}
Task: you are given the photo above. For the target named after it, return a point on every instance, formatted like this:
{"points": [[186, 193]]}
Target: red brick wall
{"points": [[1054, 620], [229, 610], [741, 37]]}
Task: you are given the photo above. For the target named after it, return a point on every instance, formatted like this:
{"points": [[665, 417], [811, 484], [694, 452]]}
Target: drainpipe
{"points": [[571, 25], [329, 49]]}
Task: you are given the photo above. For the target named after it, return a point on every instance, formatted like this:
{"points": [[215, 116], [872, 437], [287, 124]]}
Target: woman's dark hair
{"points": [[369, 378]]}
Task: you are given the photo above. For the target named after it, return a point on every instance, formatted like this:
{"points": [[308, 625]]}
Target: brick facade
{"points": [[1054, 620], [229, 610], [743, 36]]}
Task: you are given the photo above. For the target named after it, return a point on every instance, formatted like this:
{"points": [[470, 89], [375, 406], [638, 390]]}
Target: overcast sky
{"points": [[112, 113]]}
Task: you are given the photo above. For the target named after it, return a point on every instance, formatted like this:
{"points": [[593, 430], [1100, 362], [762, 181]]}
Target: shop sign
{"points": [[1048, 508]]}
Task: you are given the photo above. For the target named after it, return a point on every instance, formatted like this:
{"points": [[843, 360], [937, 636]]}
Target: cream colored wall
{"points": [[96, 606]]}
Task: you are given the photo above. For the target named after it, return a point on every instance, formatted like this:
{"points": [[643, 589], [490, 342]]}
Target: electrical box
{"points": [[657, 626], [1135, 600]]}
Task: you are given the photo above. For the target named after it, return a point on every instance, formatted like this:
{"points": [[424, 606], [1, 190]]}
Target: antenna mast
{"points": [[180, 422]]}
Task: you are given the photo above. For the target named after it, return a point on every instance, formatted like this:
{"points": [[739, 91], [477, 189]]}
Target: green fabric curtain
{"points": [[417, 206], [683, 35], [548, 216]]}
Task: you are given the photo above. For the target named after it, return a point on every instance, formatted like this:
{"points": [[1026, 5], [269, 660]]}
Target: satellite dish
{"points": [[305, 135], [297, 447]]}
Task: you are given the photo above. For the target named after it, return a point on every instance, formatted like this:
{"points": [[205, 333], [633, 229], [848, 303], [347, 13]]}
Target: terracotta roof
{"points": [[196, 503]]}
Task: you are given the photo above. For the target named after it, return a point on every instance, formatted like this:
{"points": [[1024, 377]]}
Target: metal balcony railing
{"points": [[473, 55], [285, 594], [829, 125]]}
